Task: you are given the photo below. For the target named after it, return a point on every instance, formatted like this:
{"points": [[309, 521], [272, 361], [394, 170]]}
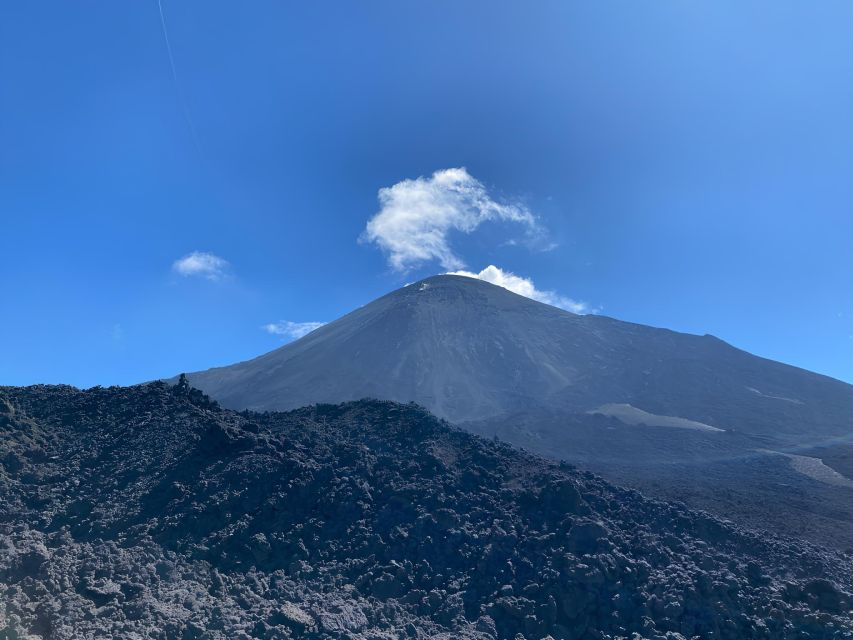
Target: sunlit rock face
{"points": [[151, 512]]}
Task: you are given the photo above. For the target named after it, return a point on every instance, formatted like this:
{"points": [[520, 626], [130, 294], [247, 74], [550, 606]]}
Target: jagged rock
{"points": [[290, 615], [151, 512], [584, 537]]}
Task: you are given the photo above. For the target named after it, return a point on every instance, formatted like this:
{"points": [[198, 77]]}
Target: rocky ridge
{"points": [[149, 512]]}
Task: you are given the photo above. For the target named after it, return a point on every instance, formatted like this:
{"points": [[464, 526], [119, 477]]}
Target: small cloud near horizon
{"points": [[525, 287], [417, 216], [201, 264], [294, 330]]}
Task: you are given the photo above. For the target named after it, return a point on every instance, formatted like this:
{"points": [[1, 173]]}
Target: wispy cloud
{"points": [[201, 264], [416, 217], [289, 329], [525, 287]]}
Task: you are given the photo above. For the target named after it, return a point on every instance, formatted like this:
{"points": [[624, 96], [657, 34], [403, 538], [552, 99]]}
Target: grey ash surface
{"points": [[149, 512]]}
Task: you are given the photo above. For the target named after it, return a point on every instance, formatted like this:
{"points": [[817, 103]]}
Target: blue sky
{"points": [[680, 164]]}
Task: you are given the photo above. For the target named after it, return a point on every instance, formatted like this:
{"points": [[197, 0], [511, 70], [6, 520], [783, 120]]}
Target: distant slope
{"points": [[468, 350], [150, 512]]}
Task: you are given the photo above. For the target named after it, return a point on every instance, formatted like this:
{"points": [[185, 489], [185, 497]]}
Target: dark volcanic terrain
{"points": [[675, 415], [469, 350], [149, 512]]}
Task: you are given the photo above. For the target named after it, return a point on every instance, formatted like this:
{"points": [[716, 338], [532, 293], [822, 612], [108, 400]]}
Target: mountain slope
{"points": [[680, 416], [468, 350], [150, 512]]}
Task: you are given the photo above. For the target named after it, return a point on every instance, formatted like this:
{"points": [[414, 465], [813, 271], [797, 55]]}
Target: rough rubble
{"points": [[149, 512]]}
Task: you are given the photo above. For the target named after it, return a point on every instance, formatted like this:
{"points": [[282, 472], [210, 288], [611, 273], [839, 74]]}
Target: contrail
{"points": [[184, 106]]}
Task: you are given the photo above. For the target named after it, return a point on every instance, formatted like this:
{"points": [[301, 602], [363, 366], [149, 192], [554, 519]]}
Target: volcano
{"points": [[682, 416], [468, 350]]}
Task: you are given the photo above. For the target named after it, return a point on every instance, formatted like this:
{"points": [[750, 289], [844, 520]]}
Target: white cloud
{"points": [[202, 264], [525, 287], [416, 217], [293, 330]]}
